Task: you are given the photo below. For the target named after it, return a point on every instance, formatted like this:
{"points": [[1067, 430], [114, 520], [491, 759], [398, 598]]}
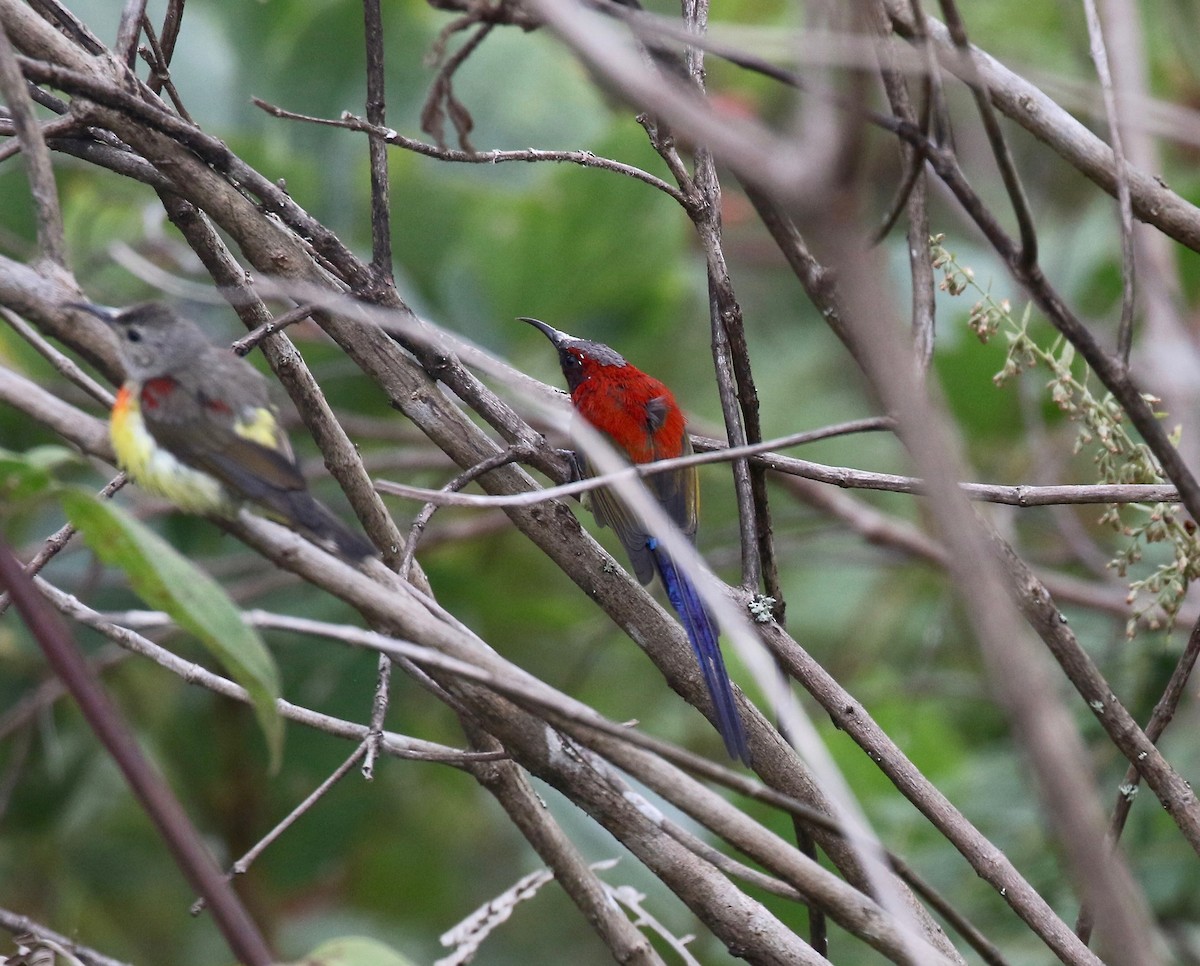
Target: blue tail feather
{"points": [[702, 632]]}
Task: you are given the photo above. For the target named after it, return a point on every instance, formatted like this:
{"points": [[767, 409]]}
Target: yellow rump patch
{"points": [[261, 427]]}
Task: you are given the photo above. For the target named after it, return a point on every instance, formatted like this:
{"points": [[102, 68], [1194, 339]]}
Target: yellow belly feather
{"points": [[157, 470]]}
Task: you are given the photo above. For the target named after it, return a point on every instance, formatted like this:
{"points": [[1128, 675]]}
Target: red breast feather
{"points": [[637, 411]]}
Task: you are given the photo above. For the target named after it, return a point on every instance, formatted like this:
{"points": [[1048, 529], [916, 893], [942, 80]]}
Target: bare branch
{"points": [[24, 926], [242, 865], [1115, 118], [715, 451], [381, 226], [64, 364], [58, 540], [582, 158], [38, 168], [132, 15], [1028, 254], [154, 795]]}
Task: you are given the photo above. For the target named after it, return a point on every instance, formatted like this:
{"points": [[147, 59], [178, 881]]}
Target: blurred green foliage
{"points": [[406, 857]]}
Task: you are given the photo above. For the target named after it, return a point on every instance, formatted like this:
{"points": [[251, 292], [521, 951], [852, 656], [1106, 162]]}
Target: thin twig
{"points": [[172, 22], [52, 131], [988, 951], [1040, 611], [1160, 717], [913, 193], [160, 73], [63, 363], [379, 704], [380, 700], [582, 158], [1028, 254], [715, 451], [381, 230], [442, 91], [248, 342], [154, 795], [1109, 369], [242, 865], [132, 15], [38, 168], [59, 539], [1125, 207], [18, 925], [512, 789], [421, 520], [734, 376], [399, 746], [511, 682], [1023, 679]]}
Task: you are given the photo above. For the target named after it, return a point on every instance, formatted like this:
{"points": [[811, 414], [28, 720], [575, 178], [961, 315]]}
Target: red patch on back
{"points": [[155, 391]]}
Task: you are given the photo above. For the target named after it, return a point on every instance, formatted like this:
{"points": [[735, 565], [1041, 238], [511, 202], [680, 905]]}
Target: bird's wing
{"points": [[246, 450], [678, 493], [610, 511]]}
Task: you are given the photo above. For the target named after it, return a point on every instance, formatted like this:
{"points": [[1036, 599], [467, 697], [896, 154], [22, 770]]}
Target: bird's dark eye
{"points": [[133, 335]]}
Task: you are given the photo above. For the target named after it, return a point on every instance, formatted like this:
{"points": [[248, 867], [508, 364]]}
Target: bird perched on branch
{"points": [[640, 417], [194, 423]]}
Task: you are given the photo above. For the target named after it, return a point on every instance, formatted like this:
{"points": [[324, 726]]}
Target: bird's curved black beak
{"points": [[104, 313], [556, 336]]}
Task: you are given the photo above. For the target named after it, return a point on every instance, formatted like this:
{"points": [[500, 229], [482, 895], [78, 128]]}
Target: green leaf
{"points": [[168, 581], [354, 951], [23, 475]]}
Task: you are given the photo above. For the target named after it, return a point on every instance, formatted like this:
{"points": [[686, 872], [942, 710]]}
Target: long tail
{"points": [[703, 634], [317, 522]]}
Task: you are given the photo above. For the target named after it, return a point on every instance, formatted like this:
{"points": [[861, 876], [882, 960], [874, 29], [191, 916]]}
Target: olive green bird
{"points": [[194, 423]]}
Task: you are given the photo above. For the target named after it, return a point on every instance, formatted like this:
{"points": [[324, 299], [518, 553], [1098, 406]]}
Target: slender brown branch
{"points": [[396, 745], [735, 379], [132, 14], [715, 451], [1125, 207], [19, 925], [52, 133], [1030, 107], [242, 865], [1172, 790], [172, 22], [911, 194], [512, 789], [582, 158], [160, 72], [156, 798], [442, 100], [1111, 370], [38, 168], [55, 543], [1028, 254], [1019, 672], [381, 227], [250, 341], [64, 364], [425, 514], [1160, 717]]}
